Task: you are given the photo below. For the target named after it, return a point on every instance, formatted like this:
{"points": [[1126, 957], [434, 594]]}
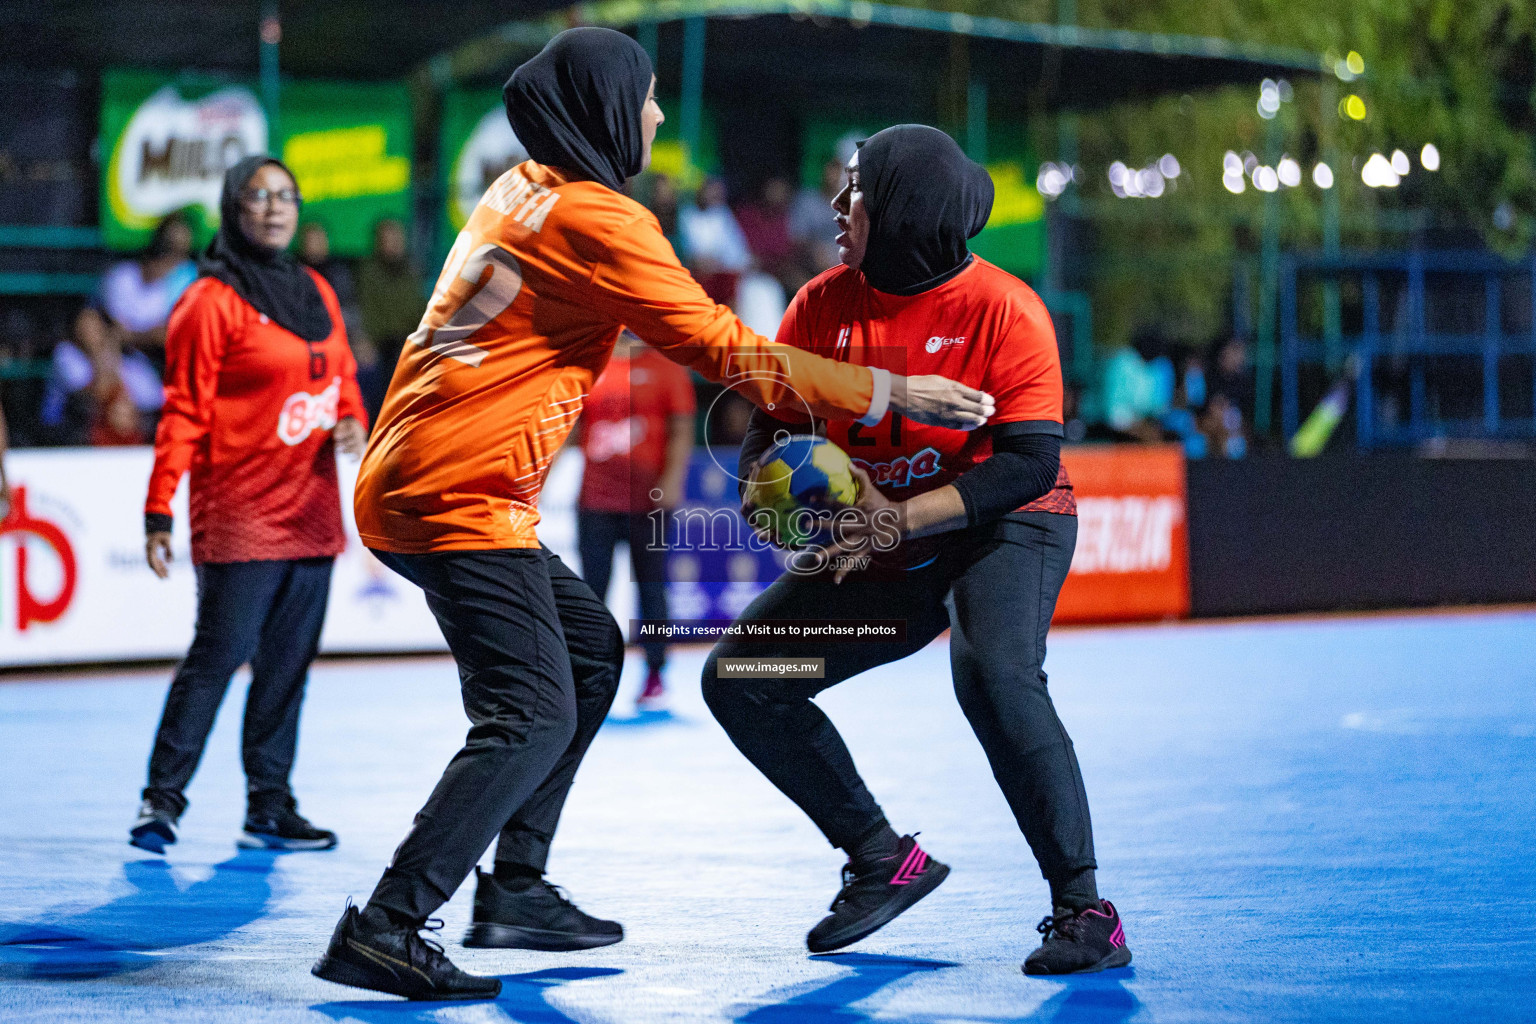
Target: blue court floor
{"points": [[1301, 821]]}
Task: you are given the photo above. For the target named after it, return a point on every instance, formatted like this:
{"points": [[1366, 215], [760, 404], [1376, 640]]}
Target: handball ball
{"points": [[803, 472]]}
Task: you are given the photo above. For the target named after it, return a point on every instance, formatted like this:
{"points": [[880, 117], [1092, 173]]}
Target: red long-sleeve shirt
{"points": [[249, 409]]}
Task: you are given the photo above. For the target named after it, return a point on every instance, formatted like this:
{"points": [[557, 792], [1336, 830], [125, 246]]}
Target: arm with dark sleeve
{"points": [[194, 350], [1023, 466], [1025, 375]]}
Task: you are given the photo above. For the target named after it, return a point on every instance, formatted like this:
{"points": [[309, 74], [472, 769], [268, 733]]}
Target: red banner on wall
{"points": [[1132, 558]]}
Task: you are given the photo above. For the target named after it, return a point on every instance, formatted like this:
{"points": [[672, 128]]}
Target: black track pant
{"points": [[539, 659], [598, 533], [265, 613], [995, 588]]}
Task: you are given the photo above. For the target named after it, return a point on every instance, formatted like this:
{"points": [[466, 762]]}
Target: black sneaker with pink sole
{"points": [[1080, 943], [874, 894]]}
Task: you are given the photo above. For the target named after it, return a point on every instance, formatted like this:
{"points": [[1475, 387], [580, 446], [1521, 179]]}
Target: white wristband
{"points": [[880, 397]]}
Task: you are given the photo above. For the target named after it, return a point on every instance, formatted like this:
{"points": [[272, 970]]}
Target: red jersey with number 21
{"points": [[984, 328]]}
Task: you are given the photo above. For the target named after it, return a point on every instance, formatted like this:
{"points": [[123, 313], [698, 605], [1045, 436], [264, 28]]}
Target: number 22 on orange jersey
{"points": [[466, 299]]}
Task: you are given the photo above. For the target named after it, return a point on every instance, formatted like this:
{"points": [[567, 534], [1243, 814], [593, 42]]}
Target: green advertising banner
{"points": [[166, 143], [478, 146], [169, 138], [349, 146]]}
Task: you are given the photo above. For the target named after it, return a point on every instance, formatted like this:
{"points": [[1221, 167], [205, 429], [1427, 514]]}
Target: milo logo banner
{"points": [[168, 140], [478, 146], [166, 146]]}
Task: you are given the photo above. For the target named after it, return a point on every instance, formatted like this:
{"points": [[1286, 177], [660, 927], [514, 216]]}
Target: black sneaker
{"points": [[282, 827], [1081, 943], [155, 828], [535, 916], [398, 961], [873, 894]]}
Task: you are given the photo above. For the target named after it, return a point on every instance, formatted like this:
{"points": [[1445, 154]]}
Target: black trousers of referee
{"points": [[539, 658], [597, 534], [995, 588], [265, 613]]}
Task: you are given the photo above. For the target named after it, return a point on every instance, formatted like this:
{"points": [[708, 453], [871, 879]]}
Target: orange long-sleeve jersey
{"points": [[524, 316]]}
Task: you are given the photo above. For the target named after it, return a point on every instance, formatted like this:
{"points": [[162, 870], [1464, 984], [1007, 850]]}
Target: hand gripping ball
{"points": [[800, 482]]}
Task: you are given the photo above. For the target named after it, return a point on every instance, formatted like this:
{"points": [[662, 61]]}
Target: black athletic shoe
{"points": [[1081, 943], [282, 827], [155, 828], [398, 961], [874, 894], [535, 916]]}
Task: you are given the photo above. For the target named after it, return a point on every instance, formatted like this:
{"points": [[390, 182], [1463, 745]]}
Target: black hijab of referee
{"points": [[576, 105], [271, 280], [925, 199]]}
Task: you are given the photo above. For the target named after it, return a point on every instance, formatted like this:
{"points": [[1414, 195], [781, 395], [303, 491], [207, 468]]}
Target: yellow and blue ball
{"points": [[801, 481]]}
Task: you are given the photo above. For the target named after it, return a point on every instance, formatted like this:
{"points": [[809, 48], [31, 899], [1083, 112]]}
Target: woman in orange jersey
{"points": [[553, 262]]}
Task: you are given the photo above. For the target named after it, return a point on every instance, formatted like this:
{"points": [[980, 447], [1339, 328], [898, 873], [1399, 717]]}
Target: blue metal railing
{"points": [[1411, 344], [47, 236]]}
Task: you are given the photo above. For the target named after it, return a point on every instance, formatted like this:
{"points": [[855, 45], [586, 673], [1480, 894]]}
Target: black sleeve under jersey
{"points": [[759, 438], [1025, 459]]}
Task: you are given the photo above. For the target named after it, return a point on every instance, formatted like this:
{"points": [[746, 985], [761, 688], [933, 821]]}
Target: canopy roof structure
{"points": [[804, 45], [807, 48]]}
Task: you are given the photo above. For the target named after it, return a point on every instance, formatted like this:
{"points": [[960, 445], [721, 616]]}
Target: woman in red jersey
{"points": [[553, 262], [987, 523], [260, 390]]}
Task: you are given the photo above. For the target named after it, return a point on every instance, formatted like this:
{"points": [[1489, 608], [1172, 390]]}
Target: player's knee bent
{"points": [[980, 678], [614, 645]]}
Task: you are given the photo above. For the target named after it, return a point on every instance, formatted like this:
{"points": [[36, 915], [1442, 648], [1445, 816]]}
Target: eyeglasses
{"points": [[261, 198]]}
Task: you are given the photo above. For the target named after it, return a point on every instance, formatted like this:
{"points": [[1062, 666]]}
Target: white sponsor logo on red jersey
{"points": [[304, 413], [937, 342], [611, 438]]}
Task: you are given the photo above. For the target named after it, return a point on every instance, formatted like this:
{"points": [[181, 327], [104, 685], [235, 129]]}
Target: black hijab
{"points": [[269, 279], [576, 105], [925, 198]]}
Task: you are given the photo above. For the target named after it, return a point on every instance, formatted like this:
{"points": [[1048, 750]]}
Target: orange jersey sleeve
{"points": [[639, 281], [523, 318]]}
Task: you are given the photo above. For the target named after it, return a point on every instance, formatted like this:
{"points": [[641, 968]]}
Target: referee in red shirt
{"points": [[636, 436], [260, 390]]}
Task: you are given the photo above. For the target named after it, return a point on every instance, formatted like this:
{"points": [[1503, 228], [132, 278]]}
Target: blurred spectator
{"points": [[713, 246], [389, 297], [117, 420], [137, 295], [637, 434], [660, 197], [1229, 404], [811, 226], [315, 253], [1138, 388], [90, 374], [765, 225], [1181, 422], [1232, 375]]}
